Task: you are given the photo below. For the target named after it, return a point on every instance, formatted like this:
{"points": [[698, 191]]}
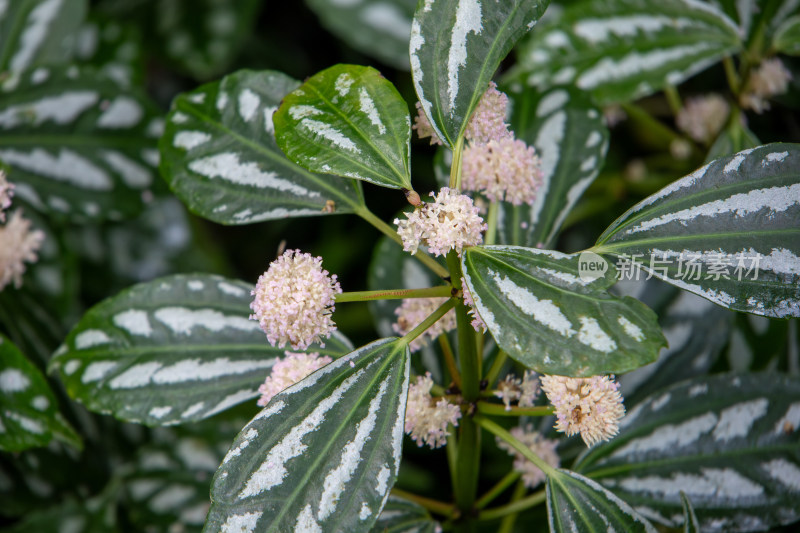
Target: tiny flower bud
{"points": [[412, 197]]}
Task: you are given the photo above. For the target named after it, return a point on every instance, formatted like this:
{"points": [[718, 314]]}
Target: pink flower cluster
{"points": [[450, 222], [703, 117], [288, 371], [294, 300], [523, 391], [426, 419], [532, 475], [505, 169], [18, 243], [771, 78], [413, 311], [589, 406]]}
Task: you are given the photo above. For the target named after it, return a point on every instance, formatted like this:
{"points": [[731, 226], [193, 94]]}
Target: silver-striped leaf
{"points": [[577, 503], [547, 315], [455, 49], [787, 37], [730, 442], [113, 47], [736, 217], [323, 454], [619, 50], [348, 120], [36, 32], [404, 516], [29, 415], [571, 139], [377, 28], [219, 155], [690, 522], [173, 350], [78, 146]]}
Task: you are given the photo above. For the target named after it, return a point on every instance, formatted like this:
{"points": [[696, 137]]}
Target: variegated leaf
{"points": [[728, 441], [78, 146], [571, 140], [576, 503], [729, 232], [548, 315], [29, 415], [403, 516], [787, 37], [690, 522], [86, 516], [113, 47], [734, 138], [456, 47], [377, 28], [219, 155], [35, 32], [170, 351], [351, 121], [620, 50], [323, 454]]}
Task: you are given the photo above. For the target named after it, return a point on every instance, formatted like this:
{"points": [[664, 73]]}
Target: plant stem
{"points": [[499, 431], [673, 99], [731, 75], [514, 507], [428, 322], [491, 221], [390, 232], [498, 489], [467, 351], [446, 509], [394, 294], [507, 525], [496, 367], [655, 127], [496, 409], [449, 358], [455, 166]]}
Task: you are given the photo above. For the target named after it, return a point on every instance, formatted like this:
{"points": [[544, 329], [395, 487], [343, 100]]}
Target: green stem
{"points": [[394, 294], [447, 350], [455, 166], [655, 127], [496, 409], [507, 525], [390, 232], [497, 366], [498, 489], [436, 506], [428, 322], [673, 99], [467, 350], [514, 507], [491, 222], [730, 73], [499, 431]]}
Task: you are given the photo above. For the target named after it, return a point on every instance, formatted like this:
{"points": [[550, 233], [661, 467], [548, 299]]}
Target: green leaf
{"points": [[112, 47], [690, 522], [34, 32], [620, 50], [84, 516], [571, 139], [787, 37], [576, 503], [735, 138], [323, 454], [29, 414], [170, 351], [737, 217], [377, 28], [403, 516], [78, 145], [546, 315], [456, 46], [348, 120], [728, 441], [219, 156]]}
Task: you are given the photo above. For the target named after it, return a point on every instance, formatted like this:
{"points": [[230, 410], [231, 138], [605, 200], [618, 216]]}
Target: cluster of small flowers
{"points": [[589, 406], [413, 311], [450, 222], [288, 371], [769, 79], [703, 117], [426, 421], [544, 448], [477, 322], [18, 243], [294, 300], [523, 391]]}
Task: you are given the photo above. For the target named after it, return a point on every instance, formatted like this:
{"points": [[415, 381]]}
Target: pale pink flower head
{"points": [[413, 311], [294, 300], [508, 390], [427, 419], [288, 371], [589, 406], [423, 126], [532, 475], [450, 222], [488, 121], [529, 389], [18, 245], [477, 322], [6, 192], [505, 169], [769, 79], [703, 117]]}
